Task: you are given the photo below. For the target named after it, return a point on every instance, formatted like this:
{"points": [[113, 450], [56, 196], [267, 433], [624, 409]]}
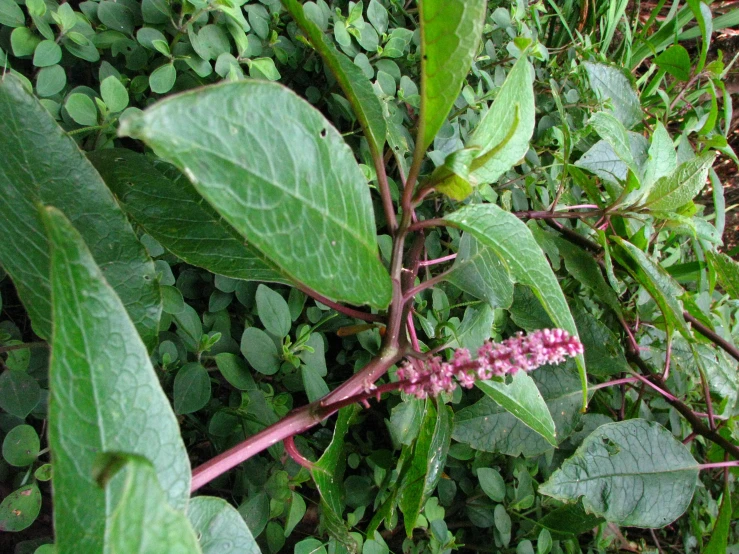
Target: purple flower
{"points": [[522, 352]]}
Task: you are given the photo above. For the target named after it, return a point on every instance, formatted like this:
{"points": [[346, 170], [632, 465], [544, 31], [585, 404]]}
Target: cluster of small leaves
{"points": [[202, 298]]}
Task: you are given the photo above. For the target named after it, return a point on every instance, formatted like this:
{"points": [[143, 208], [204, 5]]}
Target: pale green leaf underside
{"points": [[727, 271], [516, 247], [677, 189], [611, 86], [140, 519], [522, 399], [514, 106], [351, 79], [105, 396], [450, 35], [171, 211], [281, 175], [631, 473], [220, 527], [40, 163]]}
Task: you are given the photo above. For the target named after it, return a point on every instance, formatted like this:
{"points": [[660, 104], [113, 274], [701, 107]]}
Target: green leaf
{"points": [[377, 15], [50, 80], [720, 534], [139, 518], [23, 42], [568, 521], [614, 133], [47, 53], [114, 94], [604, 353], [104, 395], [675, 61], [11, 14], [727, 272], [20, 508], [21, 446], [235, 371], [478, 271], [116, 16], [662, 160], [427, 462], [492, 483], [19, 393], [522, 399], [631, 473], [353, 82], [315, 387], [191, 388], [82, 109], [264, 68], [605, 163], [163, 202], [504, 133], [450, 35], [317, 358], [220, 528], [658, 283], [273, 311], [162, 78], [304, 202], [704, 18], [295, 514], [612, 86], [513, 243], [489, 427], [680, 187], [260, 351]]}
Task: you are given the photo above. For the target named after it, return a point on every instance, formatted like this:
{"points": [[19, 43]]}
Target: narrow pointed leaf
{"points": [[727, 271], [522, 399], [516, 247], [450, 35], [720, 534], [171, 211], [139, 520], [631, 473], [104, 394], [504, 133], [281, 175], [42, 164], [220, 527], [680, 187], [351, 79]]}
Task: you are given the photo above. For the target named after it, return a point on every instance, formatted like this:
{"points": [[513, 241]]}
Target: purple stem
{"points": [[731, 463], [614, 383], [412, 333], [295, 454], [655, 387], [425, 285], [448, 258], [351, 312]]}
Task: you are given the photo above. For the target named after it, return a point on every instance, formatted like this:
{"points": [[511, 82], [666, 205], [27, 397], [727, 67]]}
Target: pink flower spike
{"points": [[521, 352]]}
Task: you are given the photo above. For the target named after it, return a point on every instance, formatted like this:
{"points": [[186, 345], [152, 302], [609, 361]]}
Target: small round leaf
{"points": [[191, 388], [21, 446], [50, 80], [162, 78], [20, 508], [114, 94], [47, 53], [260, 351], [82, 109]]}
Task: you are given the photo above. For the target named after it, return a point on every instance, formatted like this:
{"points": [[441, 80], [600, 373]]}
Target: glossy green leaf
{"points": [[162, 201], [478, 271], [652, 276], [450, 35], [504, 133], [139, 518], [303, 202], [427, 462], [21, 446], [631, 473], [219, 527], [42, 164], [487, 426], [353, 82], [720, 535], [727, 271], [191, 388], [675, 61], [19, 393], [680, 187], [513, 243], [492, 483], [522, 399], [104, 394], [273, 311], [20, 508], [612, 86]]}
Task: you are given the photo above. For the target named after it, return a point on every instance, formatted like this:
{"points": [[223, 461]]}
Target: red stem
{"points": [[295, 454], [732, 463], [448, 258], [426, 223], [351, 312]]}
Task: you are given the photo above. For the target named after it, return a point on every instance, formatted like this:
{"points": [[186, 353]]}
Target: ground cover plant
{"points": [[366, 277]]}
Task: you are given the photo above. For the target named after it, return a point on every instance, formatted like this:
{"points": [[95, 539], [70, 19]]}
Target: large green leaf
{"points": [[487, 426], [42, 164], [630, 473], [139, 518], [727, 271], [503, 134], [104, 394], [171, 211], [611, 86], [661, 287], [281, 175], [662, 158], [516, 247], [351, 79], [522, 399], [479, 272], [450, 34], [680, 187], [427, 462], [220, 527]]}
